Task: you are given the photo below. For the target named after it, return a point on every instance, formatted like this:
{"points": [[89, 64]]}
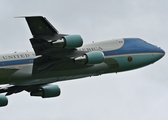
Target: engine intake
{"points": [[69, 42], [94, 57]]}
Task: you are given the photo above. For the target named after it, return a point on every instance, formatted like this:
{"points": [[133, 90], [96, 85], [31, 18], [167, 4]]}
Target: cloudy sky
{"points": [[140, 94]]}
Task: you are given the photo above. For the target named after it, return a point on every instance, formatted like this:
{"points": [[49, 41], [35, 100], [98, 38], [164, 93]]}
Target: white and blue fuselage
{"points": [[120, 55]]}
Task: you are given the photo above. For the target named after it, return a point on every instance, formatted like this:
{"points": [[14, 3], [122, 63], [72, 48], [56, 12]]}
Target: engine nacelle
{"points": [[94, 57], [47, 91], [69, 42], [3, 100]]}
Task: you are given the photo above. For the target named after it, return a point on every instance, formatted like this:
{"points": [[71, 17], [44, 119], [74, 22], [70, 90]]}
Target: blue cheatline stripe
{"points": [[16, 62]]}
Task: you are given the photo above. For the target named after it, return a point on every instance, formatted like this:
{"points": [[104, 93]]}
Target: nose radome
{"points": [[162, 51], [159, 54]]}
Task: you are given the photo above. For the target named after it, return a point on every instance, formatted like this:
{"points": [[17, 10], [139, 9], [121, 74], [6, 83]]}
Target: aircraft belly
{"points": [[5, 73], [25, 77], [114, 63]]}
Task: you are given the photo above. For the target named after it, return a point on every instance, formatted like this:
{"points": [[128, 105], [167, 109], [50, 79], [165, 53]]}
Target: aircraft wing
{"points": [[44, 34], [40, 26], [53, 48]]}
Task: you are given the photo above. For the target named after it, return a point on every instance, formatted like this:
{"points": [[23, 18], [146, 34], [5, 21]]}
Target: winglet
{"points": [[40, 26]]}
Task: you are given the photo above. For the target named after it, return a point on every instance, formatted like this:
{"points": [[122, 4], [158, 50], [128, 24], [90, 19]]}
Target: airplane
{"points": [[60, 57]]}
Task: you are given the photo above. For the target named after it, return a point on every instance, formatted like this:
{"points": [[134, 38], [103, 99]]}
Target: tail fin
{"points": [[40, 26]]}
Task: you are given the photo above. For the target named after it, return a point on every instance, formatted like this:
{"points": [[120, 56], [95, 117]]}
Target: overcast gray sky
{"points": [[140, 94]]}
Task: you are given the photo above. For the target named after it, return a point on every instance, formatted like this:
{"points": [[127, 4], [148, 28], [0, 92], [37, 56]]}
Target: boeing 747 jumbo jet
{"points": [[61, 57]]}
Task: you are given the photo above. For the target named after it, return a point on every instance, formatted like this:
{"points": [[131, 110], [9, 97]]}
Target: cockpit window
{"points": [[142, 40]]}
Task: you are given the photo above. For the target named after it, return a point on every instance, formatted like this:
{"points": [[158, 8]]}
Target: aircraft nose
{"points": [[158, 53], [161, 51]]}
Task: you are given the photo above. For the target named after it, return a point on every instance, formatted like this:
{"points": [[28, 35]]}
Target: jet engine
{"points": [[47, 91], [3, 100], [69, 42], [94, 57]]}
